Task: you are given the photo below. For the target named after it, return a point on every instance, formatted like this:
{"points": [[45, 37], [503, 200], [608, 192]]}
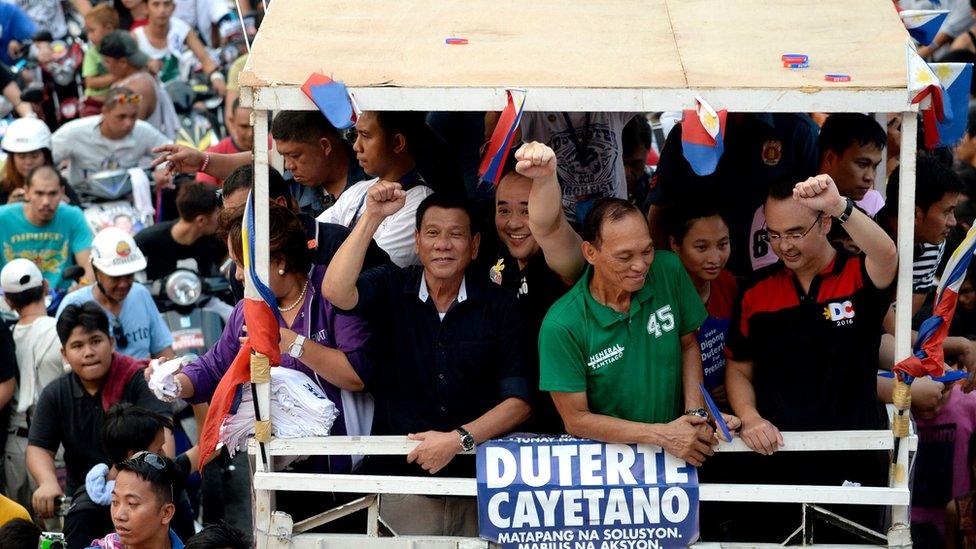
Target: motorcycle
{"points": [[194, 308], [107, 202], [57, 79], [198, 109]]}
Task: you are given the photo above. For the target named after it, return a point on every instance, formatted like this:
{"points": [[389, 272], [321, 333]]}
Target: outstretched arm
{"points": [[559, 242]]}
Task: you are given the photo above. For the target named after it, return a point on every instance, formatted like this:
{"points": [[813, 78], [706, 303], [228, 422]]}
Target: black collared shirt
{"points": [[814, 354], [67, 415], [440, 374]]}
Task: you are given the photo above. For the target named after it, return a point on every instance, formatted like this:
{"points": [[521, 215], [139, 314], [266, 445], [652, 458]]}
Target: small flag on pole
{"points": [[956, 79], [923, 25], [332, 98], [497, 148], [927, 358], [261, 318], [703, 136], [925, 89]]}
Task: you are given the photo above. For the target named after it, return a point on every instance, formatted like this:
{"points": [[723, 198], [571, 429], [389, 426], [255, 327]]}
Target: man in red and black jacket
{"points": [[803, 346]]}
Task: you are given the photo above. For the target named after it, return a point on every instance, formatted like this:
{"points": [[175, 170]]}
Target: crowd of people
{"points": [[589, 292]]}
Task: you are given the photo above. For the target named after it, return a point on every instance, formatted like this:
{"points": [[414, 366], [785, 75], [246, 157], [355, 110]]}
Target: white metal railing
{"points": [[283, 533]]}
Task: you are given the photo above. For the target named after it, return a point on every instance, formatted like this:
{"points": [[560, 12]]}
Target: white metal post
{"points": [[262, 498], [881, 174], [899, 535]]}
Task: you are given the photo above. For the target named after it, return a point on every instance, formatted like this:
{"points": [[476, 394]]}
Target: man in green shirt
{"points": [[618, 351]]}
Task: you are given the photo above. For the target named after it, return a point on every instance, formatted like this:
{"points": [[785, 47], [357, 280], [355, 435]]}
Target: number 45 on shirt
{"points": [[661, 321]]}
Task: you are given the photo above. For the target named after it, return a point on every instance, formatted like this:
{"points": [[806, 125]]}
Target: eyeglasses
{"points": [[120, 339], [150, 459], [791, 238]]}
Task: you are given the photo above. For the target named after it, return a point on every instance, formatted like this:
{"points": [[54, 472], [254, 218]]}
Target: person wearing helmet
{"points": [[137, 326], [27, 143]]}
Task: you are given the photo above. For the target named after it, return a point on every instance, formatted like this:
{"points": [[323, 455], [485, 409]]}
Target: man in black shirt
{"points": [[803, 346], [70, 410], [538, 256], [187, 242], [454, 371]]}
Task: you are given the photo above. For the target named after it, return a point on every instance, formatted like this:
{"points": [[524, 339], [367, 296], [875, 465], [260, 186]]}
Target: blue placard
{"points": [[566, 493]]}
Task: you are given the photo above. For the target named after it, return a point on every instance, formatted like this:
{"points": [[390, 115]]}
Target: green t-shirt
{"points": [[92, 66], [629, 364]]}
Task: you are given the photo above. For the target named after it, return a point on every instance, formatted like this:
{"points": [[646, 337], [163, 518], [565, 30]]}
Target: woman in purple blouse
{"points": [[330, 348]]}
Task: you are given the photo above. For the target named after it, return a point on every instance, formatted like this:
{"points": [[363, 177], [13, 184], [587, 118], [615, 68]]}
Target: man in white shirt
{"points": [[39, 362], [202, 15], [383, 149], [115, 139]]}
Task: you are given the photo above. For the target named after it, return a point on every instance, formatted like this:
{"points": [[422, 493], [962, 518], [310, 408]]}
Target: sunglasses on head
{"points": [[126, 99], [150, 459]]}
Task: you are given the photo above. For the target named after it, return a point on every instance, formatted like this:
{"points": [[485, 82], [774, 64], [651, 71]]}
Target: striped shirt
{"points": [[926, 261]]}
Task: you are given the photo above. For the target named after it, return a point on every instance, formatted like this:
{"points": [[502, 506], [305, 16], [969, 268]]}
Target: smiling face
{"points": [[623, 254], [445, 244], [89, 354], [704, 250], [115, 287], [787, 217], [512, 216], [137, 513]]}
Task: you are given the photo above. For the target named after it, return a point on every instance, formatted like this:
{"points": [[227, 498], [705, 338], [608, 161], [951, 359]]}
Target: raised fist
{"points": [[535, 160], [385, 199], [819, 193]]}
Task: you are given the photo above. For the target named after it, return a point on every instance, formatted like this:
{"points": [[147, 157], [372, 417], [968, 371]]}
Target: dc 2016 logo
{"points": [[841, 313]]}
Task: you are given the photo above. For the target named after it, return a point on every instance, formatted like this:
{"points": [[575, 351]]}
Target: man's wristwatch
{"points": [[700, 412], [848, 210], [467, 441], [297, 347]]}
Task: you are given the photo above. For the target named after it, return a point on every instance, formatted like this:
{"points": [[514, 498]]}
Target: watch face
{"points": [[467, 442]]}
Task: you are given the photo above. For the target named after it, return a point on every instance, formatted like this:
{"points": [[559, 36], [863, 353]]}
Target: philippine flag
{"points": [[333, 100], [925, 89], [956, 79], [928, 357], [258, 353], [703, 136], [496, 150], [923, 25]]}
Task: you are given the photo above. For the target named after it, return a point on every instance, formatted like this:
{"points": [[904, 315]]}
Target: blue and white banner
{"points": [[566, 493]]}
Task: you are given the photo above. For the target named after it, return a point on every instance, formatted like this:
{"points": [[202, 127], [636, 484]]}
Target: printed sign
{"points": [[566, 493]]}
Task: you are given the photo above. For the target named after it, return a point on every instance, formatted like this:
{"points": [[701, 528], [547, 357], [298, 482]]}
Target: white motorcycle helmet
{"points": [[26, 135], [114, 252]]}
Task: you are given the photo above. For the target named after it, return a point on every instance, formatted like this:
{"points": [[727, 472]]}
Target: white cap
{"points": [[20, 275], [26, 135], [114, 252]]}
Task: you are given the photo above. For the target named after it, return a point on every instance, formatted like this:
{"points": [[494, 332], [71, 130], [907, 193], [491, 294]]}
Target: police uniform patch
{"points": [[772, 152]]}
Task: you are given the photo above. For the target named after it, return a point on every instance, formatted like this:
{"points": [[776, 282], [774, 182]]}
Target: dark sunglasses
{"points": [[150, 459]]}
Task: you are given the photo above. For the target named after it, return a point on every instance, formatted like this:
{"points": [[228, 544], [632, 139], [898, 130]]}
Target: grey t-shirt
{"points": [[82, 144], [588, 149]]}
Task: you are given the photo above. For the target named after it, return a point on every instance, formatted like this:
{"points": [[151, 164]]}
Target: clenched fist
{"points": [[820, 194], [385, 199], [535, 160]]}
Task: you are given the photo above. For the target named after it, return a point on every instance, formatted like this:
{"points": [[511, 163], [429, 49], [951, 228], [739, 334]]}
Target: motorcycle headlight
{"points": [[184, 288]]}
